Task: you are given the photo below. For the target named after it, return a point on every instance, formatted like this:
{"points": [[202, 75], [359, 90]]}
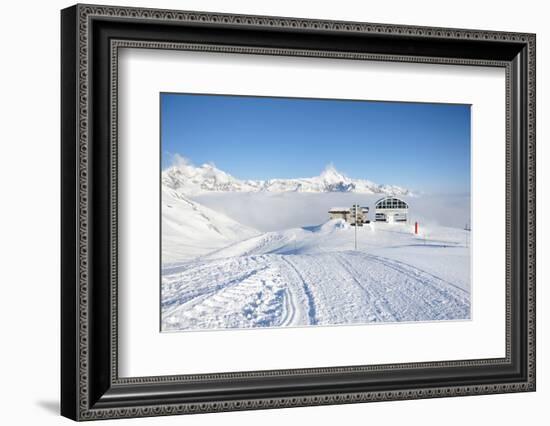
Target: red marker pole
{"points": [[416, 228]]}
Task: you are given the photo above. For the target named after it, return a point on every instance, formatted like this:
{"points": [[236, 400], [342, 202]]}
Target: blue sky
{"points": [[425, 147]]}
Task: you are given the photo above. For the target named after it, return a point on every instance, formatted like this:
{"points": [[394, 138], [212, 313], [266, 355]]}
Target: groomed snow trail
{"points": [[324, 288]]}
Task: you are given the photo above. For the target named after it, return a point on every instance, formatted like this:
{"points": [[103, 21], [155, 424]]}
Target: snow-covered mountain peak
{"points": [[331, 175], [189, 179], [210, 171]]}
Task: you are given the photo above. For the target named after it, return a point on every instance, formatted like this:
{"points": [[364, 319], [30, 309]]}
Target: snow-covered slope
{"points": [[188, 179], [190, 229], [313, 276]]}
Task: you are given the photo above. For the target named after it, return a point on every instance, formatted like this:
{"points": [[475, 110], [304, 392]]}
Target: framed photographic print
{"points": [[273, 249], [263, 212]]}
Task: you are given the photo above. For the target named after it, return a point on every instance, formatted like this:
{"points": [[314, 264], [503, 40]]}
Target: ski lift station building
{"points": [[391, 209]]}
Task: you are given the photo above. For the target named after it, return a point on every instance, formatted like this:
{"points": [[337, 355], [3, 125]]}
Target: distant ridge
{"points": [[191, 180]]}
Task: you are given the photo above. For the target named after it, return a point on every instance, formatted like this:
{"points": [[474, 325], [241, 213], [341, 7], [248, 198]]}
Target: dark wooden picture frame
{"points": [[90, 38]]}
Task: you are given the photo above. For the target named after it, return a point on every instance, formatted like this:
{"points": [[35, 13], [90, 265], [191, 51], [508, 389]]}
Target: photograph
{"points": [[298, 212]]}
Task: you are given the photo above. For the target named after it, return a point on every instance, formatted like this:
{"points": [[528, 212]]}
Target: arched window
{"points": [[391, 203]]}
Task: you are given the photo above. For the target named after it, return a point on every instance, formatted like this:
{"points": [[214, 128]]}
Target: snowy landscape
{"points": [[264, 253]]}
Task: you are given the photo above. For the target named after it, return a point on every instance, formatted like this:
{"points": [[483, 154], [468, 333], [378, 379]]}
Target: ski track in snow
{"points": [[324, 288], [307, 291]]}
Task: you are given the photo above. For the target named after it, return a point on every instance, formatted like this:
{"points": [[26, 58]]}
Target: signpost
{"points": [[357, 215]]}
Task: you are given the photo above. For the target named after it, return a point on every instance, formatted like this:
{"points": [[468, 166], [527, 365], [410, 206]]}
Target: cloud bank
{"points": [[277, 211]]}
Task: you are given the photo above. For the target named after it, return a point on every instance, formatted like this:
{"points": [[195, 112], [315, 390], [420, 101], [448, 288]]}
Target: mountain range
{"points": [[188, 179]]}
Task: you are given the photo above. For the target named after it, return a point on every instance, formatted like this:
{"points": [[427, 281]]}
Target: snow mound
{"points": [[334, 225], [290, 241]]}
